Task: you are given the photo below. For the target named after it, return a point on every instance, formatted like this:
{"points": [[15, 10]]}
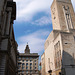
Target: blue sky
{"points": [[33, 24]]}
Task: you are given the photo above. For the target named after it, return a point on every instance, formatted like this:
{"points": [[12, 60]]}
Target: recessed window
{"points": [[23, 64], [66, 43], [30, 67], [30, 64], [26, 64], [23, 60], [26, 67], [26, 60], [35, 63], [23, 57], [19, 64], [35, 67], [22, 67], [30, 57], [26, 57], [35, 60], [26, 72], [35, 71]]}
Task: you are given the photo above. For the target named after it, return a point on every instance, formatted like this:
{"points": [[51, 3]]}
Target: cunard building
{"points": [[28, 63], [8, 45]]}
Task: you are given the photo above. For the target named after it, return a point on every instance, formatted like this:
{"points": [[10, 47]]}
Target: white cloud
{"points": [[43, 21], [73, 2], [36, 41], [26, 9]]}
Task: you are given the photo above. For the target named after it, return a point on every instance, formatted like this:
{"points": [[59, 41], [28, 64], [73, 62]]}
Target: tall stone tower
{"points": [[63, 17], [60, 44]]}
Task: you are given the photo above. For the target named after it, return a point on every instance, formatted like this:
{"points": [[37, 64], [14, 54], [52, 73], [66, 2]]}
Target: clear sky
{"points": [[33, 24]]}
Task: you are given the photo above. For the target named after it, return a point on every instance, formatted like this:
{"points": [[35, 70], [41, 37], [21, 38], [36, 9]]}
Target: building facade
{"points": [[28, 63], [60, 44], [8, 45], [43, 64]]}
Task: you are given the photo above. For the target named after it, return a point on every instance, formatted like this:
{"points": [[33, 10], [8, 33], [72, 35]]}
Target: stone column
{"points": [[4, 22], [9, 9], [11, 29]]}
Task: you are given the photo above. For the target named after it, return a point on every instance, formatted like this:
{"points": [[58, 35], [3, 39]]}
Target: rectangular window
{"points": [[19, 64], [26, 64], [23, 60], [26, 67], [30, 64], [30, 57], [57, 55], [35, 60], [22, 67], [26, 60], [23, 64]]}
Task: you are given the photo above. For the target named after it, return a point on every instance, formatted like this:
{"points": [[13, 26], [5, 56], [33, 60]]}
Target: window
{"points": [[26, 60], [23, 57], [26, 72], [26, 57], [26, 67], [26, 64], [30, 67], [35, 60], [35, 71], [23, 64], [35, 63], [22, 71], [22, 67], [19, 64], [57, 55], [23, 60], [30, 57], [30, 64], [35, 67]]}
